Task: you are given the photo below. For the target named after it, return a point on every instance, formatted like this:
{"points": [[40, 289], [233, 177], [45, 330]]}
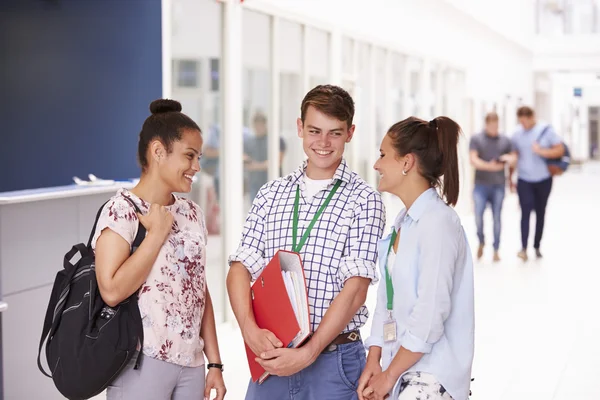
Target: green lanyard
{"points": [[296, 248], [388, 279]]}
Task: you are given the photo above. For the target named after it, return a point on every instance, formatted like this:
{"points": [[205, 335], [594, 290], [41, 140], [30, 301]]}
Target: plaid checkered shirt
{"points": [[341, 245]]}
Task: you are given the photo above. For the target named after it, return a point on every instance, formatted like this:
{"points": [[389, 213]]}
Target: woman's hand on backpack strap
{"points": [[158, 221]]}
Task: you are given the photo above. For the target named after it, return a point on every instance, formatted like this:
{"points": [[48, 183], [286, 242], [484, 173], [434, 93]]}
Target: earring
{"points": [[404, 172]]}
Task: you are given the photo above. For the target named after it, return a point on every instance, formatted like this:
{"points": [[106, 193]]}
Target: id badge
{"points": [[389, 331]]}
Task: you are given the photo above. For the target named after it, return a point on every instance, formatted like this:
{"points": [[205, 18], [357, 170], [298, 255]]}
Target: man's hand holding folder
{"points": [[260, 340], [285, 362]]}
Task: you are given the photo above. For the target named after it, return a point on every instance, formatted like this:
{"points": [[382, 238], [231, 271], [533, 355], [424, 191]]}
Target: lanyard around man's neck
{"points": [[298, 247]]}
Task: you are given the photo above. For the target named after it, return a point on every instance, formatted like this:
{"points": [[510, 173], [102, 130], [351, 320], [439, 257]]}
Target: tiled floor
{"points": [[537, 323]]}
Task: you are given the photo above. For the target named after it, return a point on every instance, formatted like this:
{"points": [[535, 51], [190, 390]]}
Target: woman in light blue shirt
{"points": [[423, 328]]}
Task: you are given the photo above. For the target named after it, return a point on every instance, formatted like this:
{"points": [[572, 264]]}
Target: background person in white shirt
{"points": [[423, 328]]}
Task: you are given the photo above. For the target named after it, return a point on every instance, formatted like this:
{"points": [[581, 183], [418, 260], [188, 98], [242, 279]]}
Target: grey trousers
{"points": [[157, 380]]}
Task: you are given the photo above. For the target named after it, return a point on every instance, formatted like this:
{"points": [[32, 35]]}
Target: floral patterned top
{"points": [[172, 299]]}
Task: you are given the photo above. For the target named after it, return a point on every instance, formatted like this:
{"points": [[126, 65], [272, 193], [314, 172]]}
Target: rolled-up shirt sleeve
{"points": [[439, 242], [360, 252], [252, 244]]}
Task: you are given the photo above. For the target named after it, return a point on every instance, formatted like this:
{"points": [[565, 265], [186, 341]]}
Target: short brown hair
{"points": [[491, 117], [330, 100], [525, 111]]}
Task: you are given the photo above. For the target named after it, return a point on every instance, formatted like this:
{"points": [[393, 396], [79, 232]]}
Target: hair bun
{"points": [[164, 105]]}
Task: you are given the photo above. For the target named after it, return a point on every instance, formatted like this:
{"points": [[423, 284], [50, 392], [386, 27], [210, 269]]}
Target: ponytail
{"points": [[448, 133], [435, 144]]}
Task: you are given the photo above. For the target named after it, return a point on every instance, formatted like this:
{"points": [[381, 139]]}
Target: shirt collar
{"points": [[342, 173], [418, 208]]}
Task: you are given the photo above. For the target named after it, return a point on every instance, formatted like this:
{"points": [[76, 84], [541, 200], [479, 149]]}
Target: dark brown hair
{"points": [[435, 145], [166, 124], [491, 117], [330, 100], [525, 111]]}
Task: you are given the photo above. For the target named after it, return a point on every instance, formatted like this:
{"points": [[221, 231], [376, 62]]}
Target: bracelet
{"points": [[215, 365]]}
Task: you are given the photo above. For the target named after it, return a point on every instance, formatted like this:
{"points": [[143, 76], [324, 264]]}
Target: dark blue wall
{"points": [[76, 79]]}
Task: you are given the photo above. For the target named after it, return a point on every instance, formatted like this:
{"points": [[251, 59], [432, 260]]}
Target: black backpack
{"points": [[89, 343]]}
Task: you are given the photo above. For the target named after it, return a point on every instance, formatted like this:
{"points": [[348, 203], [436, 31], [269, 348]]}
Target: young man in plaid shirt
{"points": [[338, 256]]}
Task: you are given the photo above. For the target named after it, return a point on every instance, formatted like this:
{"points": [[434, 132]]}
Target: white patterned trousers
{"points": [[421, 386]]}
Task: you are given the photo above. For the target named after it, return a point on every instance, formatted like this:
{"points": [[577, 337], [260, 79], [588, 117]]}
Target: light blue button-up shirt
{"points": [[433, 294], [532, 167]]}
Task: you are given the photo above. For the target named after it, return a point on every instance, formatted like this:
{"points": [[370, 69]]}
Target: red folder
{"points": [[273, 308]]}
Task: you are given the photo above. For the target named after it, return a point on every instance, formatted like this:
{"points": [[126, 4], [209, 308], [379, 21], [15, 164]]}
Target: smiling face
{"points": [[324, 139], [389, 165], [178, 167]]}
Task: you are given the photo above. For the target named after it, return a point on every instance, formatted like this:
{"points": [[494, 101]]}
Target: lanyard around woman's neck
{"points": [[389, 287]]}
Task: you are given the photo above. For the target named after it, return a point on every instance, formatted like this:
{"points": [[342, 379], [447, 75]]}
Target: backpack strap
{"points": [[89, 242], [542, 133], [141, 232]]}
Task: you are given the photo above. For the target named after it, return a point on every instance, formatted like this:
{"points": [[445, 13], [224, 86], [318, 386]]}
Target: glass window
{"points": [[433, 92], [397, 88], [359, 159], [567, 17], [379, 58], [318, 56], [580, 17], [186, 73], [414, 91], [290, 94], [256, 94], [348, 56], [448, 79], [197, 89]]}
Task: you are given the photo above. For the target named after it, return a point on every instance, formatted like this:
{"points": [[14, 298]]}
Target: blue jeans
{"points": [[333, 376], [482, 195], [533, 196]]}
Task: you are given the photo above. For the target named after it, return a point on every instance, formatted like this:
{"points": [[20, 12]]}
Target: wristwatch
{"points": [[215, 365]]}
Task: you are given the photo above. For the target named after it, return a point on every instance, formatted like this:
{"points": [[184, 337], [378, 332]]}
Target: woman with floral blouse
{"points": [[167, 270]]}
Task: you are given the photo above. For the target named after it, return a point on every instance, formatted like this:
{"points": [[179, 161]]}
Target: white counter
{"points": [[37, 228]]}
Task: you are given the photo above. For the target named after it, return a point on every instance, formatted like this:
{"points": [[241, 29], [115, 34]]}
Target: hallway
{"points": [[536, 323]]}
